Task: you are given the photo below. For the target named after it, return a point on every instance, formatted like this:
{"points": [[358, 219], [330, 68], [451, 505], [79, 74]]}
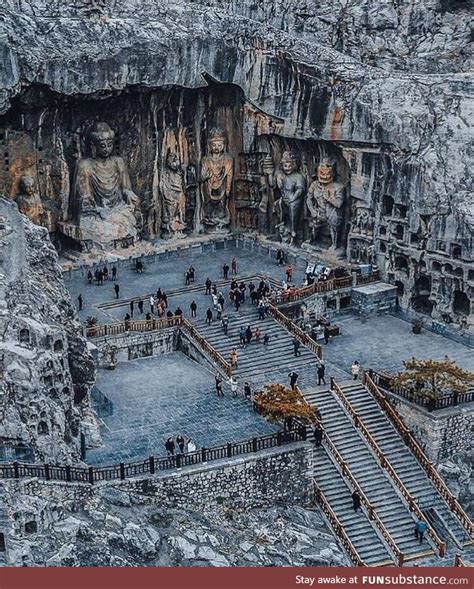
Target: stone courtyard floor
{"points": [[165, 396]]}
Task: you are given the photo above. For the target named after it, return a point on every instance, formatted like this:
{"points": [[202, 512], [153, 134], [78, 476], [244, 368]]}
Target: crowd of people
{"points": [[179, 445]]}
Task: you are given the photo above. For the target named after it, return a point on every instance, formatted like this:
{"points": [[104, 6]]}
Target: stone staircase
{"points": [[378, 488], [405, 464], [257, 363]]}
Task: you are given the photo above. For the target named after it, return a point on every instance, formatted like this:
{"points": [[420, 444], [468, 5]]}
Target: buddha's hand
{"points": [[131, 198]]}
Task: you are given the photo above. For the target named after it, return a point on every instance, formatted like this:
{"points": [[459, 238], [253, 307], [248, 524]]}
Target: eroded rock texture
{"points": [[47, 369], [378, 94]]}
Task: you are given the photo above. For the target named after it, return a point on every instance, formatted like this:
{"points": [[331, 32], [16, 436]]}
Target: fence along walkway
{"points": [[152, 464]]}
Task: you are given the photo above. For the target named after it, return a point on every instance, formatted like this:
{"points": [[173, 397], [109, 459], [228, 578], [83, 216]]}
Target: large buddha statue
{"points": [[325, 202], [292, 187], [106, 205], [29, 202], [216, 181]]}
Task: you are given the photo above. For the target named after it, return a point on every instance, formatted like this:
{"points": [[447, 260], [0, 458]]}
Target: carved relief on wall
{"points": [[29, 202], [173, 192]]}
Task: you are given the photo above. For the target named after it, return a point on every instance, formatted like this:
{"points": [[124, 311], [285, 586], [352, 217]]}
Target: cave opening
{"points": [[461, 303]]}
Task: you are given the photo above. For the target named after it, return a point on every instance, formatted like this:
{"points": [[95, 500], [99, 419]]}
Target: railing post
{"points": [[122, 471], [370, 511], [16, 470], [91, 475], [178, 460], [68, 473], [229, 450], [401, 558], [457, 558], [105, 329], [332, 383], [203, 454], [254, 445], [279, 439], [442, 549], [46, 472], [152, 465]]}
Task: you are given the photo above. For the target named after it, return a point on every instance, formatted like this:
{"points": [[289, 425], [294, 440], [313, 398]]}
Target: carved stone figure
{"points": [[107, 207], [216, 181], [29, 202], [292, 186], [325, 201], [173, 195]]}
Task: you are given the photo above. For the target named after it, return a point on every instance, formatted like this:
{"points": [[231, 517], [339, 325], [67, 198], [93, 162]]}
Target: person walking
{"points": [[233, 385], [225, 324], [191, 446], [266, 339], [219, 391], [289, 273], [100, 278], [89, 277], [234, 357], [326, 334], [242, 289], [233, 266], [219, 311], [117, 290], [355, 369], [248, 334], [209, 316], [192, 273], [208, 285], [132, 308], [114, 273], [79, 302], [214, 300], [258, 335], [318, 436], [293, 376], [237, 300], [321, 371], [247, 391], [242, 336], [296, 347], [420, 529], [280, 257], [193, 308], [225, 271], [152, 304], [355, 501], [187, 278], [170, 446], [140, 306]]}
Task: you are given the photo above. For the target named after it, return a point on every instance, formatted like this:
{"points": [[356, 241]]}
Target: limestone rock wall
{"points": [[46, 368]]}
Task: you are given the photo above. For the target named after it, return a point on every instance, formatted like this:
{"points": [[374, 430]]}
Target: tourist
{"points": [[225, 270], [321, 371], [192, 273], [420, 529], [219, 391], [139, 267], [242, 289], [169, 313], [225, 324], [105, 273], [221, 300], [219, 311], [187, 277], [233, 284], [160, 308], [247, 391], [126, 320], [293, 376], [164, 298], [114, 273], [296, 347], [234, 357], [193, 308], [280, 257], [148, 316], [355, 501], [237, 300], [178, 312], [117, 290], [209, 316], [214, 300], [355, 369], [169, 445], [326, 334], [191, 446], [233, 266], [233, 385], [140, 306], [100, 278], [258, 335], [89, 277], [317, 412], [214, 289], [152, 304], [266, 339], [242, 336], [80, 302], [318, 436], [208, 286], [180, 441], [289, 273], [248, 334]]}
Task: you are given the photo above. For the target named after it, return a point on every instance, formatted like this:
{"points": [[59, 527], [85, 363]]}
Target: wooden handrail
{"points": [[300, 335], [337, 527], [205, 346], [417, 451], [317, 287], [141, 325], [385, 464]]}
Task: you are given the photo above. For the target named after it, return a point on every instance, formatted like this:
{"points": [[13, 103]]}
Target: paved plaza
{"points": [[164, 396]]}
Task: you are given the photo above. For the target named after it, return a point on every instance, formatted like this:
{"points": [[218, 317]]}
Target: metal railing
{"points": [[151, 465], [452, 399], [417, 451], [298, 333], [385, 465]]}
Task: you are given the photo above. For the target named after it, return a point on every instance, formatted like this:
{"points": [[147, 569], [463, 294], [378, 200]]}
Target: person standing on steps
{"points": [[234, 357], [117, 290], [355, 369], [193, 308], [219, 391], [293, 376], [321, 371], [266, 339], [233, 385], [248, 334], [420, 529], [169, 446], [233, 266], [289, 273], [318, 436], [355, 501], [296, 347], [219, 311], [209, 316], [225, 324], [242, 336], [225, 271], [208, 286], [79, 302]]}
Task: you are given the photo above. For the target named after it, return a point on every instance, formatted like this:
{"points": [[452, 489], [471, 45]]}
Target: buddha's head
{"points": [[326, 171], [288, 162], [102, 137], [172, 161], [27, 185], [217, 141]]}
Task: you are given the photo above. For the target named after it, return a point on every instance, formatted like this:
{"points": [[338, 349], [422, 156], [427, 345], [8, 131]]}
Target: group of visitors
{"points": [[247, 335], [179, 445], [102, 275]]}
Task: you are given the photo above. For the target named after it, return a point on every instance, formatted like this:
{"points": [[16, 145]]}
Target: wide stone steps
{"points": [[400, 457], [364, 467]]}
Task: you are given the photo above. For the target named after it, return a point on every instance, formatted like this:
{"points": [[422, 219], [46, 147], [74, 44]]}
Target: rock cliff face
{"points": [[379, 94], [46, 367]]}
